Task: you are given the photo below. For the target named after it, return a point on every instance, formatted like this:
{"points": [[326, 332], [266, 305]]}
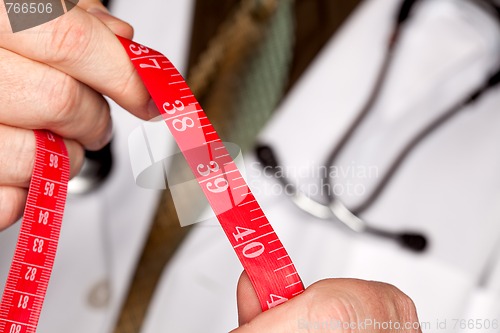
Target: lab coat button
{"points": [[100, 294]]}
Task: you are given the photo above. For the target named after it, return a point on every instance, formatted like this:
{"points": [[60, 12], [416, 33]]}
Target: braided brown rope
{"points": [[236, 38]]}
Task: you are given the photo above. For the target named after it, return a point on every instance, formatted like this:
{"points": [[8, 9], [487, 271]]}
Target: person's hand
{"points": [[333, 305], [53, 77]]}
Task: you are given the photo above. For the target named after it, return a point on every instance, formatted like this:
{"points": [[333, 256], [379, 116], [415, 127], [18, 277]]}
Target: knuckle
{"points": [[324, 301], [63, 98], [407, 306], [69, 41], [404, 307], [398, 296]]}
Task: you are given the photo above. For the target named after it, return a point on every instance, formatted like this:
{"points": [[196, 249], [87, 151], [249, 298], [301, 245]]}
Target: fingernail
{"points": [[116, 25], [103, 15], [152, 109]]}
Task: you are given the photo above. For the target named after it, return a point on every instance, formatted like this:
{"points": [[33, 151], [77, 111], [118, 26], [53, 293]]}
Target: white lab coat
{"points": [[448, 188]]}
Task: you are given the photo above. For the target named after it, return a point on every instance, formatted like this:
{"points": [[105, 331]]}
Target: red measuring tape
{"points": [[35, 252], [259, 249]]}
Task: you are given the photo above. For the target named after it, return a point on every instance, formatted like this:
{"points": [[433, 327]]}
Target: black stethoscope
{"points": [[333, 208]]}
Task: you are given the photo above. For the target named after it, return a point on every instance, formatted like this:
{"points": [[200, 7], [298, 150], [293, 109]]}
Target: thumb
{"points": [[248, 303], [97, 9]]}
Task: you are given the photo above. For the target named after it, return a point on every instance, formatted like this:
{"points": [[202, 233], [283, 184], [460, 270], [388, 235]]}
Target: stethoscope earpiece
{"points": [[415, 242], [266, 156]]}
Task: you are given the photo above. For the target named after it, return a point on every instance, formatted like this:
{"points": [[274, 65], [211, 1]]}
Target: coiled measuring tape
{"points": [[256, 244]]}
